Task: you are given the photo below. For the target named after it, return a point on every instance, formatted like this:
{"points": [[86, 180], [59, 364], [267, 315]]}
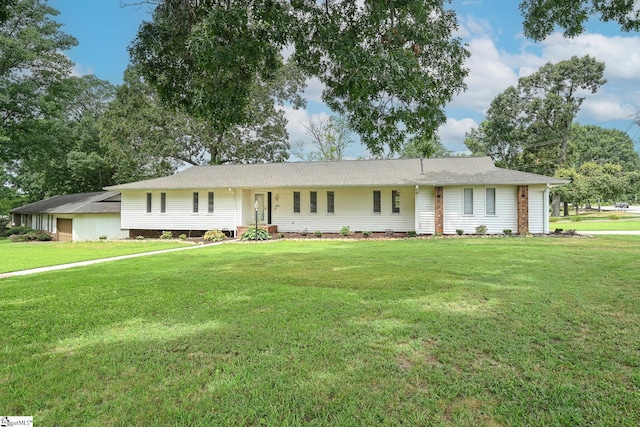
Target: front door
{"points": [[262, 207]]}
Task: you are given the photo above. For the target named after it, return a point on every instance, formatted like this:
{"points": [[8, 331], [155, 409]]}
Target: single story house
{"points": [[426, 196], [84, 216]]}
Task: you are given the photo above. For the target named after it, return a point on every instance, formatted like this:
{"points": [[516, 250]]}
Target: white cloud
{"points": [[489, 75], [79, 70], [453, 131]]}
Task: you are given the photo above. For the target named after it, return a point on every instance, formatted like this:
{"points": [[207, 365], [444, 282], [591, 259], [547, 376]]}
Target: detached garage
{"points": [[74, 217]]}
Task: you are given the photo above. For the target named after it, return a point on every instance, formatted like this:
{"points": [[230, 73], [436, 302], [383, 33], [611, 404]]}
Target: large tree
{"points": [[389, 67], [528, 127], [63, 152], [600, 145], [542, 16], [149, 138], [328, 139], [31, 63]]}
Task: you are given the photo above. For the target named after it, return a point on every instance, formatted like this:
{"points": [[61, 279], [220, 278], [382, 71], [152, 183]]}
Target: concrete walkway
{"points": [[101, 260]]}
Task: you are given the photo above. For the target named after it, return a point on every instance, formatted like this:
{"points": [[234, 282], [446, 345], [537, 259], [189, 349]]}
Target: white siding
{"points": [[537, 209], [92, 226], [506, 216], [352, 207], [426, 211], [179, 213]]}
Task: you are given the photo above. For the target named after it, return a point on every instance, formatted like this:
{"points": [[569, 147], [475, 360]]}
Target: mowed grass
{"points": [[598, 225], [433, 332], [15, 256]]}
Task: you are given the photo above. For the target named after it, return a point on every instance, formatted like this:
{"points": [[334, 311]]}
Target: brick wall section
{"points": [[523, 209], [439, 196]]}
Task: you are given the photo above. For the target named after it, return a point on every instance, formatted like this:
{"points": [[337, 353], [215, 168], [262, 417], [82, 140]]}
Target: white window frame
{"points": [[486, 201], [464, 201]]}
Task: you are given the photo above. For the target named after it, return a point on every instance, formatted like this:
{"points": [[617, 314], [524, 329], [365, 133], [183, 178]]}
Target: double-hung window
{"points": [[148, 202], [210, 202], [313, 202], [196, 197], [377, 202], [296, 202], [330, 201], [395, 201], [163, 202], [490, 201], [468, 201]]}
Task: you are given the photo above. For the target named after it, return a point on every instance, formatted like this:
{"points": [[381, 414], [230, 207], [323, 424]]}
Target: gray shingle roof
{"points": [[87, 203], [440, 172]]}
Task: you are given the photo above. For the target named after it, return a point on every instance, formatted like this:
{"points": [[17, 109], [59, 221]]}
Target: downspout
{"points": [[416, 216], [545, 210]]}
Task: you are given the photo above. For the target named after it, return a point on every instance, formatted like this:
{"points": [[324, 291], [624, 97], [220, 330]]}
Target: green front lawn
{"points": [[598, 225], [26, 255], [486, 331]]}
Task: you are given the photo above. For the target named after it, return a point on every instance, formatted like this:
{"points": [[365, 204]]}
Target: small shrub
{"points": [[388, 232], [166, 235], [32, 236], [214, 235], [280, 235], [577, 218], [317, 233], [558, 230], [250, 234], [507, 231], [459, 231], [412, 233], [182, 236], [16, 230], [481, 229], [366, 234], [103, 237], [345, 231], [139, 237]]}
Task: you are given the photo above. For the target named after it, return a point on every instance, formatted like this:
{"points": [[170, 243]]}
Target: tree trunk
{"points": [[555, 205], [566, 209]]}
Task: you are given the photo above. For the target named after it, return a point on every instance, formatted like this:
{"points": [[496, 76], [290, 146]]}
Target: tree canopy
{"points": [[389, 67], [542, 16], [528, 127]]}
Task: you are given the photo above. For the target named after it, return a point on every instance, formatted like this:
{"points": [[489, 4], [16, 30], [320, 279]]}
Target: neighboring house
{"points": [[427, 196], [85, 216]]}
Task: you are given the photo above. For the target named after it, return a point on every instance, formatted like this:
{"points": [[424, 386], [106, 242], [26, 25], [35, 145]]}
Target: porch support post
{"points": [[439, 217], [523, 208]]}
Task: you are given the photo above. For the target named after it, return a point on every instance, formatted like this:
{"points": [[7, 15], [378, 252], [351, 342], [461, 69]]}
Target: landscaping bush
{"points": [[317, 233], [32, 236], [214, 235], [16, 230], [166, 235], [250, 234], [507, 231], [412, 233], [459, 231], [366, 233], [481, 229], [345, 231], [388, 232]]}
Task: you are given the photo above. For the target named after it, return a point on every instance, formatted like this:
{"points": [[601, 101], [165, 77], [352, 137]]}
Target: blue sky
{"points": [[492, 30]]}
